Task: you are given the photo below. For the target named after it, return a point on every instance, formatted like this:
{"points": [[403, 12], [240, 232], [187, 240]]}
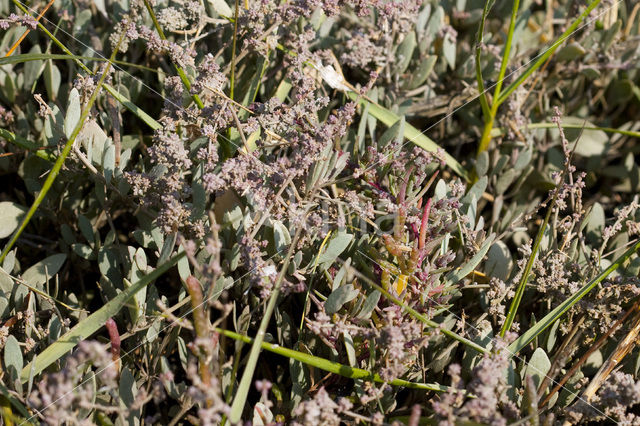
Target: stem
{"points": [[55, 170], [201, 326], [479, 40], [505, 56], [233, 52], [417, 315], [180, 71], [243, 388], [332, 367], [561, 309], [515, 303], [541, 59]]}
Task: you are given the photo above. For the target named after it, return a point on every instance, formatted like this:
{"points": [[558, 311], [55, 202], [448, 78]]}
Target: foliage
{"points": [[319, 212]]}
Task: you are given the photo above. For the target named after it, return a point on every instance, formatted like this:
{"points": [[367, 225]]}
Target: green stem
{"points": [[485, 140], [25, 57], [499, 131], [233, 53], [333, 367], [179, 70], [479, 40], [420, 317], [542, 59], [245, 382], [515, 303], [561, 309], [26, 144], [505, 56], [55, 170]]}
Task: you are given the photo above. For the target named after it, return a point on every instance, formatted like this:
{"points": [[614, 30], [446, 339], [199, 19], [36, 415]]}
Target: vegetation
{"points": [[319, 212]]}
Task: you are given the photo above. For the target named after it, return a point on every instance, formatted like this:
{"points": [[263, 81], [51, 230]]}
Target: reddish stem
{"points": [[423, 224], [114, 337]]}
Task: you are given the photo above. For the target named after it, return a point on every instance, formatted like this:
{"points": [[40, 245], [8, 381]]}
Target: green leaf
{"points": [[339, 297], [93, 322], [86, 228], [499, 261], [10, 216], [32, 69], [405, 52], [570, 52], [52, 79], [222, 8], [136, 110], [369, 305], [38, 274], [335, 247]]}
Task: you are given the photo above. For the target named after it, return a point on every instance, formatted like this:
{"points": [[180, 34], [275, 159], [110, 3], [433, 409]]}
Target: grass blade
{"points": [[27, 57], [26, 144], [93, 322], [247, 375], [561, 309], [55, 170], [501, 132], [388, 118], [548, 53], [417, 315], [333, 367]]}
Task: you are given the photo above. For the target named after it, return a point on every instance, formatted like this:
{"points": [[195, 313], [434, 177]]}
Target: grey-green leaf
{"points": [[38, 274], [73, 112], [10, 216], [538, 366], [339, 297], [335, 247]]}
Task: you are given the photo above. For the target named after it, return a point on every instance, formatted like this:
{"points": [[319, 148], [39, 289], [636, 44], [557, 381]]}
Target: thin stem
{"points": [[201, 325], [55, 170], [247, 376], [561, 309], [330, 366], [505, 56], [233, 52], [417, 315], [542, 58], [515, 303], [597, 345], [28, 30], [479, 41], [179, 70]]}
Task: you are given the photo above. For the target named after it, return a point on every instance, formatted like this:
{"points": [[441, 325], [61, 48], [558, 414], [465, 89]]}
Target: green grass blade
{"points": [[93, 322], [137, 111], [26, 144], [507, 52], [561, 309], [547, 54], [247, 375], [517, 298], [27, 57], [388, 118], [55, 170], [333, 367], [501, 132]]}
